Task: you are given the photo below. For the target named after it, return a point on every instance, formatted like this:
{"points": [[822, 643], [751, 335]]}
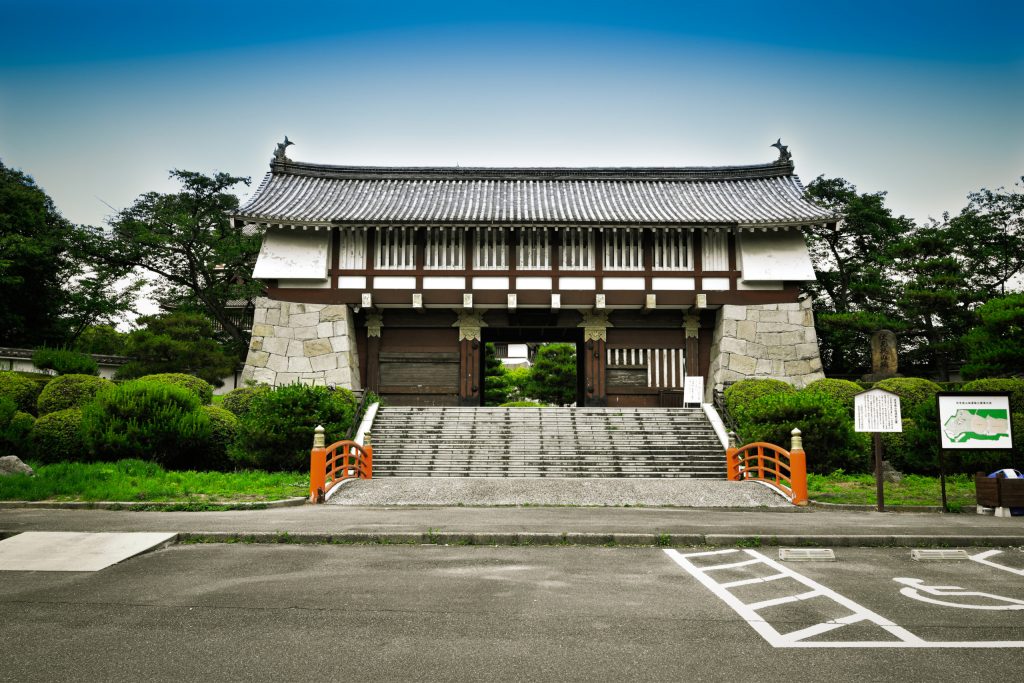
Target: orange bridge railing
{"points": [[331, 465], [777, 467]]}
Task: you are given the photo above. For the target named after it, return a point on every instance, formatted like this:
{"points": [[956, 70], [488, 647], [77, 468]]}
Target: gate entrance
{"points": [[533, 337]]}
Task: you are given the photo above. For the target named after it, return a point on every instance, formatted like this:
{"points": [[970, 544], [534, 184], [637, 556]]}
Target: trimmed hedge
{"points": [[223, 431], [841, 391], [238, 400], [65, 361], [828, 435], [746, 391], [20, 389], [15, 426], [69, 391], [277, 431], [198, 386], [149, 420], [57, 437], [913, 391]]}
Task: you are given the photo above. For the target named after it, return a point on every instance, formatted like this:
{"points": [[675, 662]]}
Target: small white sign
{"points": [[974, 421], [693, 390], [877, 410]]}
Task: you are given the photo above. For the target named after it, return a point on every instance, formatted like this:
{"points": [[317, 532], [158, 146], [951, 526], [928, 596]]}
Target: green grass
{"points": [[140, 481], [859, 489]]}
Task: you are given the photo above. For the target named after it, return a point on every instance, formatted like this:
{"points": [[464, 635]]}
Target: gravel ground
{"points": [[704, 493]]}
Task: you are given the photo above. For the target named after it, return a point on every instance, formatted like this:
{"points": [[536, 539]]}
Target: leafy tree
{"points": [[853, 291], [496, 380], [177, 342], [202, 260], [51, 291], [993, 225], [101, 339], [993, 348], [553, 375]]}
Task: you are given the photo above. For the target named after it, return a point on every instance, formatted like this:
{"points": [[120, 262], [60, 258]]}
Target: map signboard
{"points": [[977, 421], [877, 410]]}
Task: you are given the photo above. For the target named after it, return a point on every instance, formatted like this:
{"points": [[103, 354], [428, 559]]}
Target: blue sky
{"points": [[98, 100]]}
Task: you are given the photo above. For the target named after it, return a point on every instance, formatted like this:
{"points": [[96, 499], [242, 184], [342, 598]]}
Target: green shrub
{"points": [[65, 362], [913, 391], [149, 420], [1014, 387], [223, 431], [198, 386], [747, 391], [522, 404], [828, 435], [841, 391], [22, 390], [15, 427], [238, 400], [57, 437], [277, 431], [68, 391]]}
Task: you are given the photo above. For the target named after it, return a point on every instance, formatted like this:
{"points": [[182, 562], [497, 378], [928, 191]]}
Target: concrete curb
{"points": [[434, 537], [155, 506], [850, 507]]}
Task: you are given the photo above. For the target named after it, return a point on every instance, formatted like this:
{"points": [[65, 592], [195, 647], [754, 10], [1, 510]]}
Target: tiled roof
{"points": [[313, 194]]}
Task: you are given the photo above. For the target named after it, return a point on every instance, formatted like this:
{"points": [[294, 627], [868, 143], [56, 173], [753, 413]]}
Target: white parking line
{"points": [[982, 558], [798, 639]]}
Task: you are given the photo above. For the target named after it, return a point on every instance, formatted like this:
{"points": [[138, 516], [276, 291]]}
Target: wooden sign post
{"points": [[877, 411]]}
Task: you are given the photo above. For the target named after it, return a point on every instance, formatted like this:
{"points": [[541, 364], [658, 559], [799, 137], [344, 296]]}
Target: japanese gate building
{"points": [[393, 278]]}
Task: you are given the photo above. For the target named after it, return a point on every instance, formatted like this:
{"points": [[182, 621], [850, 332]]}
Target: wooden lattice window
{"points": [[490, 252], [352, 248], [534, 249], [395, 248], [715, 253], [445, 249], [577, 249], [672, 248], [624, 249]]}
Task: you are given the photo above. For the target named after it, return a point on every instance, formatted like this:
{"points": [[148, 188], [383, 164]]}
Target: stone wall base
{"points": [[775, 341], [302, 343]]}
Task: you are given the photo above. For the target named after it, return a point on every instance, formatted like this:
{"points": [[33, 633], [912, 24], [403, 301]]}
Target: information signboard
{"points": [[877, 410], [693, 390], [975, 421]]}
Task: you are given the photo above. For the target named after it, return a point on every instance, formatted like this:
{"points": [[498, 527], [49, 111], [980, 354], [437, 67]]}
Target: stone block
{"points": [[795, 368], [308, 381], [791, 338], [332, 313], [754, 315], [341, 377], [340, 344], [747, 330], [266, 302], [273, 316], [314, 308], [257, 359], [769, 307], [810, 335], [778, 368], [296, 309], [324, 330], [781, 352], [304, 320], [308, 332], [299, 364], [731, 312], [728, 328], [774, 317], [774, 327], [276, 345], [768, 338], [816, 364], [764, 367], [256, 344], [316, 347], [264, 376], [282, 332], [755, 350], [286, 378], [278, 363], [325, 362], [247, 373], [796, 317], [732, 345], [259, 315], [340, 328], [745, 365], [262, 330], [807, 351]]}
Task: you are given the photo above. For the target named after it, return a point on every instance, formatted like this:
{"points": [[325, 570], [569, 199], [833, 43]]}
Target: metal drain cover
{"points": [[924, 555], [807, 555]]}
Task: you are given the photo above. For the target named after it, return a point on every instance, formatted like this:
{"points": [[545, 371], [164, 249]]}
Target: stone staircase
{"points": [[545, 442]]}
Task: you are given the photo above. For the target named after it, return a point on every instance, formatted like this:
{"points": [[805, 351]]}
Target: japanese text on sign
{"points": [[877, 411]]}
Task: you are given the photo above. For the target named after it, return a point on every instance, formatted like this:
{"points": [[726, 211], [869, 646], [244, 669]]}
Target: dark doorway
{"points": [[535, 336]]}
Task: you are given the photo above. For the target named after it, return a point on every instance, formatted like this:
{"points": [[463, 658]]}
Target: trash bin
{"points": [[1002, 490]]}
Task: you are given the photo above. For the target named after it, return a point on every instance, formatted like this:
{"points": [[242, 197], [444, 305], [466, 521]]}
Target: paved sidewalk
{"points": [[528, 525]]}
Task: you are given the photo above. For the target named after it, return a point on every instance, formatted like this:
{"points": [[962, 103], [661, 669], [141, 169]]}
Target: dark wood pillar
{"points": [[374, 322], [594, 372], [469, 372], [691, 330]]}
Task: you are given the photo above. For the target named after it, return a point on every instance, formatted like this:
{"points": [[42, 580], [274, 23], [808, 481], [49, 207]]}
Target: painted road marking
{"points": [[982, 558], [914, 587], [798, 639]]}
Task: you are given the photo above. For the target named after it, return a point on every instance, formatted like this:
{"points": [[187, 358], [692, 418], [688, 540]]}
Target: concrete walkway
{"points": [[527, 525]]}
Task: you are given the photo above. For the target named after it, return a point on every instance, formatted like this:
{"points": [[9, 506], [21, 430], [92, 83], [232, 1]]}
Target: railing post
{"points": [[732, 461], [317, 466], [798, 469], [368, 459]]}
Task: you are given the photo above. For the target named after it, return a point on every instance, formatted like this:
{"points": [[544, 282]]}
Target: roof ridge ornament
{"points": [[784, 155], [280, 151]]}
